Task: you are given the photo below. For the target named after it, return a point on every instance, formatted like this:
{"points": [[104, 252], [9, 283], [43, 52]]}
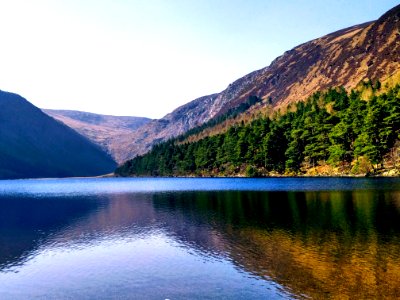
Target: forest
{"points": [[334, 132]]}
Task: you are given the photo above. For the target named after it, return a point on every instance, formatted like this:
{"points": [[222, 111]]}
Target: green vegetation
{"points": [[332, 132]]}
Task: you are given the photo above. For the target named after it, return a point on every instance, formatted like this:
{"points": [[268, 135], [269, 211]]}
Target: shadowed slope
{"points": [[33, 144]]}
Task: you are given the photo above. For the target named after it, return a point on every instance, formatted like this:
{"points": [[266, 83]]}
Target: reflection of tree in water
{"points": [[319, 244]]}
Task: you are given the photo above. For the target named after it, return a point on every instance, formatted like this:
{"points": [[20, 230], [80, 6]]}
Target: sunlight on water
{"points": [[76, 186], [141, 267]]}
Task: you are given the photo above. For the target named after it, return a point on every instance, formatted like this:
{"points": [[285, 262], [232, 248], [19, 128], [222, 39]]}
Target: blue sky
{"points": [[145, 58]]}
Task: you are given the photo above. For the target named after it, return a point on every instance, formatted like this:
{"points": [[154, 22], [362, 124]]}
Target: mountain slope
{"points": [[177, 122], [106, 131], [343, 58], [33, 144]]}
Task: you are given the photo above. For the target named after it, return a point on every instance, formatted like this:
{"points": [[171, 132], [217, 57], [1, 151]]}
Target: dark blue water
{"points": [[200, 238]]}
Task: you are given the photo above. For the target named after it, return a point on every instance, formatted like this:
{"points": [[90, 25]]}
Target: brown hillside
{"points": [[343, 58]]}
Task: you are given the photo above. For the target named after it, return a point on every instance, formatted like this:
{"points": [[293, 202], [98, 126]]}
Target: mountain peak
{"points": [[392, 15]]}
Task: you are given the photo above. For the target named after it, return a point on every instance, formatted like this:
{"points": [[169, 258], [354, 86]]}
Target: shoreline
{"points": [[261, 177], [243, 176], [314, 172]]}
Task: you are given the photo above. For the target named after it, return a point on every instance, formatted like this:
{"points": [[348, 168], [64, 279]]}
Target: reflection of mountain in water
{"points": [[28, 222], [322, 244], [122, 216]]}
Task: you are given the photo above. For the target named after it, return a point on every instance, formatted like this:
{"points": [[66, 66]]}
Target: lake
{"points": [[169, 238]]}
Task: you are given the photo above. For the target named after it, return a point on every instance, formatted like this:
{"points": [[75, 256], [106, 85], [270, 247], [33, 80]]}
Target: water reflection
{"points": [[312, 244], [27, 222]]}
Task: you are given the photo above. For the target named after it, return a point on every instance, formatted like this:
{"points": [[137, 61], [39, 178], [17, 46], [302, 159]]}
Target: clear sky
{"points": [[147, 57]]}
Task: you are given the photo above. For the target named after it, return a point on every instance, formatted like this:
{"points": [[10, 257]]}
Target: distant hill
{"points": [[120, 122], [370, 51], [109, 132], [33, 145]]}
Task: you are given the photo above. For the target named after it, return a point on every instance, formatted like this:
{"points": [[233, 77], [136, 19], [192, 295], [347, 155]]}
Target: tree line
{"points": [[334, 128]]}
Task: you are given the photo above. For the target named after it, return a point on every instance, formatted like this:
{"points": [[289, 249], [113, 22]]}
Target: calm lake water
{"points": [[200, 238]]}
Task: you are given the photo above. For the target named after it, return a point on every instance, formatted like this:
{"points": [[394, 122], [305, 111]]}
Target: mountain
{"points": [[33, 145], [370, 51], [108, 132], [330, 106]]}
